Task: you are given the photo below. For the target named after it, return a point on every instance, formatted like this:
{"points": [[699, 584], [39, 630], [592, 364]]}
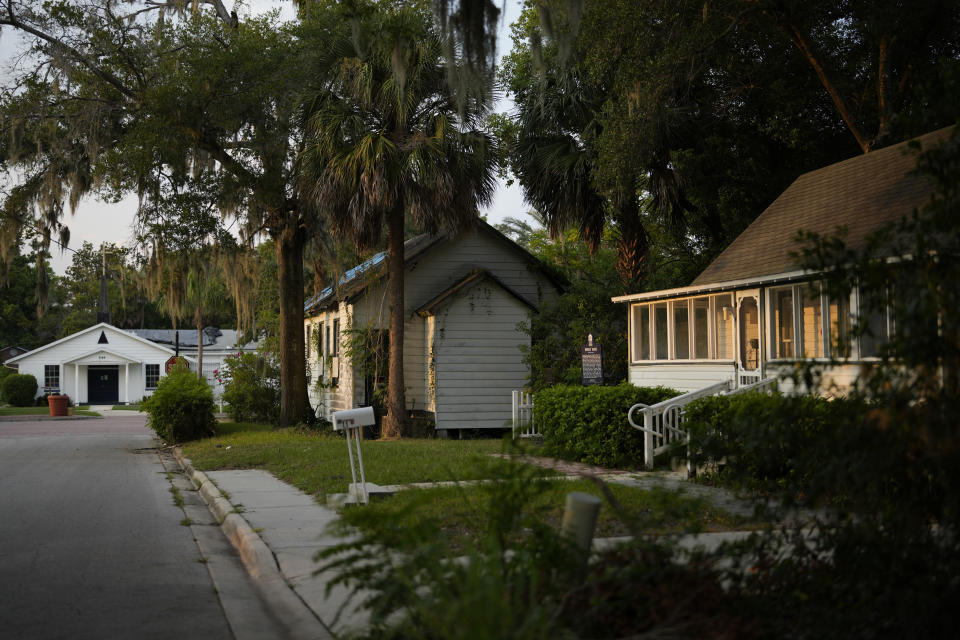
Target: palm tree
{"points": [[389, 137]]}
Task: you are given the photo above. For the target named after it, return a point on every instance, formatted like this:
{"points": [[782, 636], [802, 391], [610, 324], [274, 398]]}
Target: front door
{"points": [[103, 385], [749, 344]]}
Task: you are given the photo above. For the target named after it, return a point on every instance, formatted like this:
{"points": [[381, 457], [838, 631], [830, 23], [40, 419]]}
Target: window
{"points": [[781, 321], [686, 329], [660, 339], [51, 376], [641, 332], [811, 321], [335, 351], [152, 375], [873, 311], [327, 350], [724, 326], [701, 330], [681, 330], [319, 340], [839, 328]]}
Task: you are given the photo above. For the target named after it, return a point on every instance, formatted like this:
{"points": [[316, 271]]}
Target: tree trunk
{"points": [[294, 403], [394, 424]]}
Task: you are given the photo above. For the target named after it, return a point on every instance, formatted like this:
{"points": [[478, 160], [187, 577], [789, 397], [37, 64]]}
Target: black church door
{"points": [[103, 385]]}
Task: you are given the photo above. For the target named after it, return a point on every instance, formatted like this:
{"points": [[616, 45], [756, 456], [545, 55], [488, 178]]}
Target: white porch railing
{"points": [[662, 421], [522, 414]]}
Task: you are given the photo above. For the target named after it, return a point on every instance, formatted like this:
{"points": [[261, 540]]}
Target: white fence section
{"points": [[523, 426], [662, 422]]}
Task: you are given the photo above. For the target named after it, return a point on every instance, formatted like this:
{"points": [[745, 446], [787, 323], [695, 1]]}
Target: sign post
{"points": [[351, 421], [591, 362]]}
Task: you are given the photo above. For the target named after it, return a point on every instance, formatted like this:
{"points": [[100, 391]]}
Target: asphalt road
{"points": [[91, 542]]}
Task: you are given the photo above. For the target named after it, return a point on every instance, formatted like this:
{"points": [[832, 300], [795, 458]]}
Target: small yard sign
{"points": [[591, 362]]}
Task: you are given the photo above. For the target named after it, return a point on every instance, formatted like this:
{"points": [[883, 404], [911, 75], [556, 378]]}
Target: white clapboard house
{"points": [[106, 365], [752, 314], [465, 297]]}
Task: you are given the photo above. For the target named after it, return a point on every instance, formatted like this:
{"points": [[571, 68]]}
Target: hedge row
{"points": [[589, 424], [774, 443]]}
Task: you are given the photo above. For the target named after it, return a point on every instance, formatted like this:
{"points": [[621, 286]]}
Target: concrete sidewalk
{"points": [[278, 530]]}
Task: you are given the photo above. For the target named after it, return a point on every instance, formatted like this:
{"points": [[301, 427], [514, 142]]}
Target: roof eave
{"points": [[717, 287]]}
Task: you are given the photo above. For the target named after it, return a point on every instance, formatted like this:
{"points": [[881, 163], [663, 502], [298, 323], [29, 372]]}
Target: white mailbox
{"points": [[351, 421], [350, 418]]}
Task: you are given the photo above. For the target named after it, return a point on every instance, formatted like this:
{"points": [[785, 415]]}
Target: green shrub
{"points": [[19, 389], [774, 443], [181, 408], [4, 373], [589, 424], [251, 388]]}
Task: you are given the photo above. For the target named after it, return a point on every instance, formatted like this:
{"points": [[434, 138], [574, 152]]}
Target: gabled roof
{"points": [[472, 279], [862, 194], [356, 280], [97, 327]]}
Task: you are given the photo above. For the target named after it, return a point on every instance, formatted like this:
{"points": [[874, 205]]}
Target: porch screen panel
{"points": [[839, 327], [873, 310], [641, 332], [701, 335], [723, 327], [681, 330], [660, 320], [782, 322], [811, 315]]}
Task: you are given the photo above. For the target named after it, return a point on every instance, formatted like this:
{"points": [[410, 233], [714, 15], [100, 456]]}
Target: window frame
{"points": [[689, 303], [146, 376], [48, 377]]}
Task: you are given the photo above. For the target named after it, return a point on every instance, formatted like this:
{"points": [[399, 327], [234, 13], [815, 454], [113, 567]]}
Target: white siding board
{"points": [[683, 377]]}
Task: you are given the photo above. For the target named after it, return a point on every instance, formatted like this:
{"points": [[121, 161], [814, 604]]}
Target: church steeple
{"points": [[103, 311]]}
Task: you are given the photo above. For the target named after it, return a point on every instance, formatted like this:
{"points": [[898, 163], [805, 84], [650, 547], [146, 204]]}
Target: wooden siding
{"points": [[684, 376], [479, 348], [477, 369]]}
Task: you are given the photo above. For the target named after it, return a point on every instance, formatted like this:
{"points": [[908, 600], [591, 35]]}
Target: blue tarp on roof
{"points": [[348, 276]]}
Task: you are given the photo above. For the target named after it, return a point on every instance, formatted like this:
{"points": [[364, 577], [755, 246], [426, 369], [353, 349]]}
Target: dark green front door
{"points": [[103, 385]]}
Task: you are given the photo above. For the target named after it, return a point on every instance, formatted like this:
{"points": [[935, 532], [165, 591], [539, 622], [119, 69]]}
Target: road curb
{"points": [[257, 557]]}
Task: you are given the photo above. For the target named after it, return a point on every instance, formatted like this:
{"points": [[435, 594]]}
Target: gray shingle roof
{"points": [[862, 194]]}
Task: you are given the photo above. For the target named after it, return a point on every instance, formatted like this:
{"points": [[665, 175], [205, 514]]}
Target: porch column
{"points": [[126, 382], [76, 383]]}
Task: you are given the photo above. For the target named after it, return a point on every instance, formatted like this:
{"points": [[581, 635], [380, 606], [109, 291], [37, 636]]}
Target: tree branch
{"points": [[12, 21]]}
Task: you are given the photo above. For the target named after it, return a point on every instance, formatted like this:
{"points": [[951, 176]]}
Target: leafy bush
{"points": [[773, 443], [251, 387], [19, 389], [182, 407], [589, 424], [4, 373]]}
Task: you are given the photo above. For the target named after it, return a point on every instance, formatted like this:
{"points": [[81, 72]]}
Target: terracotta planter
{"points": [[58, 405]]}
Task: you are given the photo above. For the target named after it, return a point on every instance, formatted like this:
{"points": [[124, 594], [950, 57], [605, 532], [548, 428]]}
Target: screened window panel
{"points": [[660, 319], [724, 327], [641, 332], [811, 314], [782, 322], [681, 330], [701, 332]]}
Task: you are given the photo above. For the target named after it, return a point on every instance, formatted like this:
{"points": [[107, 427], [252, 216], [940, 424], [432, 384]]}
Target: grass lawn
{"points": [[461, 514], [127, 407], [318, 464]]}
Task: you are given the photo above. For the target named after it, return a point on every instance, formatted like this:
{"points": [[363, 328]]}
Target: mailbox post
{"points": [[351, 421]]}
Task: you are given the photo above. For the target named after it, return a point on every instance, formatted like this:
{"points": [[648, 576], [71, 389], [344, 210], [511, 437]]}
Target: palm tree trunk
{"points": [[294, 403], [394, 424]]}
